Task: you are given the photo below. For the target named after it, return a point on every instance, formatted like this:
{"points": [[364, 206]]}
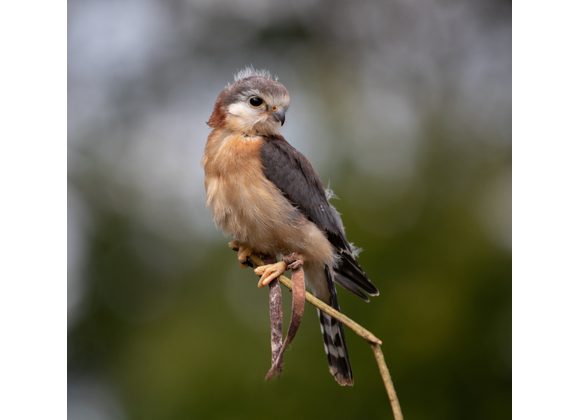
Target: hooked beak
{"points": [[280, 115]]}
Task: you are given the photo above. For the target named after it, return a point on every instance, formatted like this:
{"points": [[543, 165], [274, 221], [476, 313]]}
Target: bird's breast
{"points": [[243, 202], [246, 205]]}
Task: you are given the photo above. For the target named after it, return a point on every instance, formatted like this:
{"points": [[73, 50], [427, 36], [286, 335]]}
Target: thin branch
{"points": [[359, 330], [384, 370]]}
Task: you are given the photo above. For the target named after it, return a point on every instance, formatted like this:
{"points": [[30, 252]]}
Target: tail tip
{"points": [[343, 380]]}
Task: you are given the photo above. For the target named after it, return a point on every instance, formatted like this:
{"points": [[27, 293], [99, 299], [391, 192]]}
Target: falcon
{"points": [[267, 196]]}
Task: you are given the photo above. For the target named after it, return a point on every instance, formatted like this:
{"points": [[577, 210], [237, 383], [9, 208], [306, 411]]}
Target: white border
{"points": [[546, 228], [33, 212]]}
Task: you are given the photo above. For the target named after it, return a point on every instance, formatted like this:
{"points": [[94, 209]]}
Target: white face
{"points": [[257, 113]]}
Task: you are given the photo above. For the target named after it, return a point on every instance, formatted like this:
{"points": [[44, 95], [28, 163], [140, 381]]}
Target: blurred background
{"points": [[404, 108]]}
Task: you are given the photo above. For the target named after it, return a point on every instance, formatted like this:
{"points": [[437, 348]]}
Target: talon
{"points": [[244, 255], [243, 251], [270, 272]]}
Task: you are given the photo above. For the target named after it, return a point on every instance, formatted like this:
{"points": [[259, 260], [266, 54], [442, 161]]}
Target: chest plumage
{"points": [[248, 206]]}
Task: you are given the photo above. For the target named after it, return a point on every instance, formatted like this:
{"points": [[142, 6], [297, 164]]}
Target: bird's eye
{"points": [[256, 101]]}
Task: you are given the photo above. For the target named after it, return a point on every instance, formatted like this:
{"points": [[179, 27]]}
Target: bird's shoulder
{"points": [[281, 160], [295, 177]]}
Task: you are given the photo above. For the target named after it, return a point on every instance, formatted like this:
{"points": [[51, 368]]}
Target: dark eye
{"points": [[256, 101]]}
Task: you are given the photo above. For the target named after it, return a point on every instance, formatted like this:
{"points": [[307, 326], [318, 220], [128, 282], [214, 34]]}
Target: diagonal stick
{"points": [[359, 330]]}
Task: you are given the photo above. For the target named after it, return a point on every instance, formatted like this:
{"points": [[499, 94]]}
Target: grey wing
{"points": [[294, 176]]}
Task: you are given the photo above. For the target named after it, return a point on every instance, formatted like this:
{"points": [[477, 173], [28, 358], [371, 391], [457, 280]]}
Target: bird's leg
{"points": [[270, 272], [244, 252], [294, 261]]}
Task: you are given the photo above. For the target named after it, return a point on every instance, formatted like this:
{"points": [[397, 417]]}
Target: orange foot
{"points": [[244, 252], [270, 272]]}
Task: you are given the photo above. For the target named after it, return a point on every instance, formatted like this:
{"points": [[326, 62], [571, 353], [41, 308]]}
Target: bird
{"points": [[267, 196]]}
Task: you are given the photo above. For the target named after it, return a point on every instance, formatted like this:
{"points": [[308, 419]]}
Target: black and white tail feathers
{"points": [[334, 342]]}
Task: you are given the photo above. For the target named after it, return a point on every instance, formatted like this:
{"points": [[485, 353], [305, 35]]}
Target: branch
{"points": [[359, 330]]}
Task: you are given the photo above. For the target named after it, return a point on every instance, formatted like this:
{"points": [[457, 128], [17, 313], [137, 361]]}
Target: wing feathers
{"points": [[294, 176], [348, 267], [351, 286]]}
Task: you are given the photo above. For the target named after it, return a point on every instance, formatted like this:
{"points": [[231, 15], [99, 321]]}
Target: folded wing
{"points": [[294, 176]]}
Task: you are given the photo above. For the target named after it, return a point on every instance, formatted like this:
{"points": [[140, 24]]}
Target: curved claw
{"points": [[270, 272], [243, 251]]}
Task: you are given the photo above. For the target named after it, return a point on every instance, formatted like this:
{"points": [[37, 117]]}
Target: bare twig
{"points": [[384, 370], [362, 332]]}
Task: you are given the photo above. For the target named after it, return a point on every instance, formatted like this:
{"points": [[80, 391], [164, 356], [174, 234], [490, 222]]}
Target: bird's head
{"points": [[255, 103]]}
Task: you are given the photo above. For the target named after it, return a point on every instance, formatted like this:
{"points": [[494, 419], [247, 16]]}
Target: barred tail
{"points": [[334, 342]]}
